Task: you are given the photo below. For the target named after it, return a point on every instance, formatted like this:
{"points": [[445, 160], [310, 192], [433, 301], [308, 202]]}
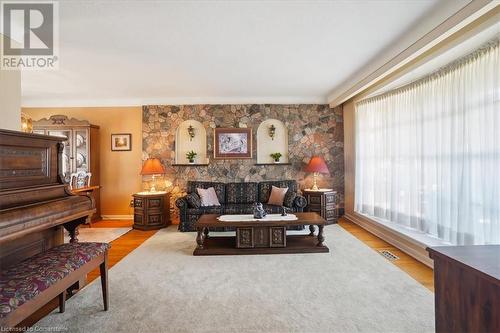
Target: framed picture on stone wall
{"points": [[232, 143]]}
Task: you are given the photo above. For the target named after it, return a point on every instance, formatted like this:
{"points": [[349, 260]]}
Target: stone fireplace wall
{"points": [[312, 129]]}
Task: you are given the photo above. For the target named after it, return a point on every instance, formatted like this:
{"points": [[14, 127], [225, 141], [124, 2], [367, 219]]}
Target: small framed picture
{"points": [[232, 143], [121, 142]]}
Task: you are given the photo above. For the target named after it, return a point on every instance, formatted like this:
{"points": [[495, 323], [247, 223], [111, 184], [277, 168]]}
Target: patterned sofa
{"points": [[237, 198]]}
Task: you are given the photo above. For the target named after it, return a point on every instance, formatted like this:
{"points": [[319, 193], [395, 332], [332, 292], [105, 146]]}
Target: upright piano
{"points": [[35, 203]]}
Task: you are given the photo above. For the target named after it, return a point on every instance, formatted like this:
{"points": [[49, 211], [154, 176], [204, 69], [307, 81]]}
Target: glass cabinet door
{"points": [[82, 150], [67, 159]]}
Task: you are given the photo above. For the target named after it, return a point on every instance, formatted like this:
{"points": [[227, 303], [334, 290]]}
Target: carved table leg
{"points": [[73, 235], [200, 238], [311, 229], [205, 232], [321, 238], [72, 228]]}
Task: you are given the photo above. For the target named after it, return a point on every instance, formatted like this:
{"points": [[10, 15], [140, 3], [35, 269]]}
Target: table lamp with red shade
{"points": [[153, 166], [316, 165]]}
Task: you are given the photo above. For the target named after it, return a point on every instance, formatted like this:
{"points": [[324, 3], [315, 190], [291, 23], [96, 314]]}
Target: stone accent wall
{"points": [[312, 129]]}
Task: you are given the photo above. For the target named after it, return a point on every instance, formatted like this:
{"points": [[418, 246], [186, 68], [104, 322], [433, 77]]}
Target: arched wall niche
{"points": [[184, 143], [267, 145]]}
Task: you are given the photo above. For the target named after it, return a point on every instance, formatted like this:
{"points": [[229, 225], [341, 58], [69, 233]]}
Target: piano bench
{"points": [[34, 282]]}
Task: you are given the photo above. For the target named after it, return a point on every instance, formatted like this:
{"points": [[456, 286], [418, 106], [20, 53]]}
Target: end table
{"points": [[151, 210], [323, 202]]}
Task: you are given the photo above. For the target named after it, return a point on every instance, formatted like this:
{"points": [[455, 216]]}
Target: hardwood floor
{"points": [[109, 224], [420, 272]]}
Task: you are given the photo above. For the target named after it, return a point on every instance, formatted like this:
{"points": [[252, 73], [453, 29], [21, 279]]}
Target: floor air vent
{"points": [[389, 255]]}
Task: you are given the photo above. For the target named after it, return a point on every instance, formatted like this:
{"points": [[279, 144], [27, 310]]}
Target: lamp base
{"points": [[315, 185], [153, 186]]}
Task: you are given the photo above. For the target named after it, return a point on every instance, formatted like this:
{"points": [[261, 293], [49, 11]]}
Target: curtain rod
{"points": [[443, 70]]}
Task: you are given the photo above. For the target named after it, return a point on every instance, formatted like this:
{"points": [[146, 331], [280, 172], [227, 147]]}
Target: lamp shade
{"points": [[317, 164], [152, 166]]}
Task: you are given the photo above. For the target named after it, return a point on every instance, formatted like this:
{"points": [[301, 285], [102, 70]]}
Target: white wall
{"points": [[10, 99]]}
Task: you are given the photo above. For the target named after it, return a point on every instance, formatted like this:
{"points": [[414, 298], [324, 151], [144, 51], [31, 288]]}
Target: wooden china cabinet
{"points": [[81, 148]]}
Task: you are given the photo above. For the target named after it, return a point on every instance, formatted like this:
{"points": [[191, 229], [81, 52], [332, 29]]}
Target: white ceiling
{"points": [[181, 52]]}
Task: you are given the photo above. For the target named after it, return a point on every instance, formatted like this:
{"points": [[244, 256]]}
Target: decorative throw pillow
{"points": [[289, 198], [193, 200], [208, 197], [277, 196]]}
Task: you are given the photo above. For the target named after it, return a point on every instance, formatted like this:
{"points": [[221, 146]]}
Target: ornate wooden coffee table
{"points": [[266, 236]]}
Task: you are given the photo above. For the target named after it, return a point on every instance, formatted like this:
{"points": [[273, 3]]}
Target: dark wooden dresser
{"points": [[467, 288], [323, 202], [151, 210]]}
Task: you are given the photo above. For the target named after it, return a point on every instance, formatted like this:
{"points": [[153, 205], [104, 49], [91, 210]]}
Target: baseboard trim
{"points": [[402, 242], [117, 217]]}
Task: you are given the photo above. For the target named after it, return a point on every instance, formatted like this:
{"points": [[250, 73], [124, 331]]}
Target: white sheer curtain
{"points": [[428, 154]]}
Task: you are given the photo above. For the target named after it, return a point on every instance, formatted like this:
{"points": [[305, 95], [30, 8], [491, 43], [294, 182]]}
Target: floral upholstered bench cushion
{"points": [[24, 281]]}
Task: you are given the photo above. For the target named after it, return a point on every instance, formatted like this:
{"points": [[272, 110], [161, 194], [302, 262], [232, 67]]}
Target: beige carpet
{"points": [[103, 235], [161, 287]]}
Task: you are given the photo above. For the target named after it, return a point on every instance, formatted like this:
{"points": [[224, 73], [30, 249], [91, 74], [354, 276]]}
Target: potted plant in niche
{"points": [[191, 156], [276, 157]]}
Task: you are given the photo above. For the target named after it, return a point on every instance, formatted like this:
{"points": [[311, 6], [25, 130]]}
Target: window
{"points": [[428, 154]]}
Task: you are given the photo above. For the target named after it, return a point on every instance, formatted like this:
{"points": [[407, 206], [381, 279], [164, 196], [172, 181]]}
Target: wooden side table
{"points": [[323, 202], [151, 210]]}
